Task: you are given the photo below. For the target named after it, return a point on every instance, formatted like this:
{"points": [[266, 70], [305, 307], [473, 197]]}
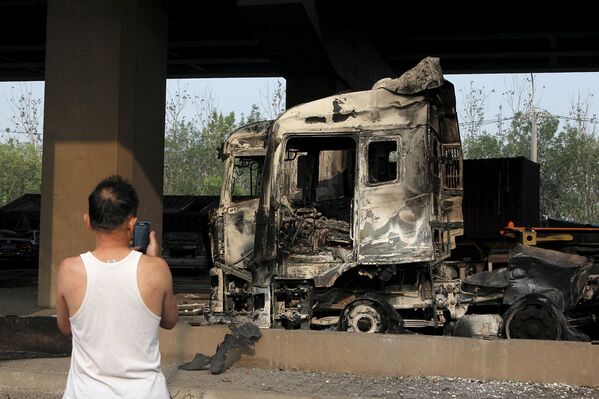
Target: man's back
{"points": [[113, 300], [115, 332]]}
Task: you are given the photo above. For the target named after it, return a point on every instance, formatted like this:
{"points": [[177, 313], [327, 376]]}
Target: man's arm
{"points": [[170, 312], [62, 310]]}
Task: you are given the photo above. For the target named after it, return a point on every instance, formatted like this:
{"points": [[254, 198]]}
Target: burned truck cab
{"points": [[342, 214], [232, 224], [361, 198]]}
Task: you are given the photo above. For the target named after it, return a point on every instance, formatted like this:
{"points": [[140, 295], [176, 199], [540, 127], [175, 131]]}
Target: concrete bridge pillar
{"points": [[103, 115]]}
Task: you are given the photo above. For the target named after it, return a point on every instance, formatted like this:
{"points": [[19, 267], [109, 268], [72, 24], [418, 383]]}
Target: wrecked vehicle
{"points": [[233, 222], [353, 218]]}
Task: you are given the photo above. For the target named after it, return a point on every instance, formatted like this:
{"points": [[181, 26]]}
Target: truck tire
{"points": [[536, 317], [370, 314]]}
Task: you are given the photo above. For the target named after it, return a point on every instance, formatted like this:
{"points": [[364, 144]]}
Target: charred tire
{"points": [[370, 315], [533, 317], [366, 317]]}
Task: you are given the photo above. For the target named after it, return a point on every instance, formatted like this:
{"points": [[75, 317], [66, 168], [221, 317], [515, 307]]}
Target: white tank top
{"points": [[115, 336]]}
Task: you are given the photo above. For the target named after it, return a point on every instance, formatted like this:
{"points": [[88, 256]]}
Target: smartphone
{"points": [[141, 236]]}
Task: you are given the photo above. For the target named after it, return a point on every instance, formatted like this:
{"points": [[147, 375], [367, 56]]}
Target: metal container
{"points": [[498, 191]]}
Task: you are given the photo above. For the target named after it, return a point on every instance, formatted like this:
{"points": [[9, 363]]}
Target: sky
{"points": [[554, 91]]}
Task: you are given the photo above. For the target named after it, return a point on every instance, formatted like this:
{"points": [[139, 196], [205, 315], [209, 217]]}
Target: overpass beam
{"points": [[357, 63], [103, 115]]}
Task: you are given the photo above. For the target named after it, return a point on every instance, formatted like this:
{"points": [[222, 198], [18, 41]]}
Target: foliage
{"points": [[20, 146], [576, 161], [191, 163], [20, 163]]}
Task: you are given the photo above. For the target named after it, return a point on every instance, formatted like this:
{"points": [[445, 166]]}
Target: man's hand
{"points": [[153, 247]]}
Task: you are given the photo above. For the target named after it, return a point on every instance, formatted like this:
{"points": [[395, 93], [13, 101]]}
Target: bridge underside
{"points": [[286, 38]]}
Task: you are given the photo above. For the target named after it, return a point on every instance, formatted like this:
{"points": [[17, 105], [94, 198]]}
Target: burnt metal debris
{"points": [[240, 341], [558, 276]]}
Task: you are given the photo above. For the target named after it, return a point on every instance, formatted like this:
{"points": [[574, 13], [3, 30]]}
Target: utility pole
{"points": [[534, 146]]}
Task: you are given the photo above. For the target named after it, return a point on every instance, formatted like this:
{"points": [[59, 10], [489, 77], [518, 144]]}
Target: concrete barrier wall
{"points": [[399, 355]]}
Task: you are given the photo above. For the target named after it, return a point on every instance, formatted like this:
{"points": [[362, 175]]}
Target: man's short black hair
{"points": [[111, 203]]}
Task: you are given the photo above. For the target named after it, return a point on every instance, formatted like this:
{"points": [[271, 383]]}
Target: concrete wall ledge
{"points": [[399, 355]]}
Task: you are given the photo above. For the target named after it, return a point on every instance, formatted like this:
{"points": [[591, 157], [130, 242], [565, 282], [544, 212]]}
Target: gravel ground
{"points": [[316, 385], [349, 386]]}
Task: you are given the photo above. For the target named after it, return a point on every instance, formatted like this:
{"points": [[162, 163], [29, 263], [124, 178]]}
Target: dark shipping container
{"points": [[497, 191]]}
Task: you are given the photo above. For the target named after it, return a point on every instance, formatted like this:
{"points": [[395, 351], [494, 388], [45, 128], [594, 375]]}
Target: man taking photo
{"points": [[113, 300]]}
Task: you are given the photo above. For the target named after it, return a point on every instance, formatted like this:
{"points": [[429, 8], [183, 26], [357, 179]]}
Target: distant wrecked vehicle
{"points": [[20, 248], [344, 211], [183, 244]]}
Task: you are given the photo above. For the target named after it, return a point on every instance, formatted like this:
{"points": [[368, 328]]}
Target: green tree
{"points": [[20, 146], [254, 116], [191, 163], [212, 136], [20, 163], [575, 165]]}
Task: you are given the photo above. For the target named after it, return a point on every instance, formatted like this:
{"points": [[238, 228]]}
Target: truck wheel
{"points": [[370, 315], [532, 318], [365, 317]]}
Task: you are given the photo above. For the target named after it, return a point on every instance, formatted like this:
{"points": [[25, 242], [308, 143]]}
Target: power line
{"points": [[490, 121], [16, 132]]}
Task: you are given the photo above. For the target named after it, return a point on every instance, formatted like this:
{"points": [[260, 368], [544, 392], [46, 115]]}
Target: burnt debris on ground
{"points": [[240, 341]]}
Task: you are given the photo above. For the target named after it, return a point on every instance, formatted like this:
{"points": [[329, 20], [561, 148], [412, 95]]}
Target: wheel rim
{"points": [[365, 317]]}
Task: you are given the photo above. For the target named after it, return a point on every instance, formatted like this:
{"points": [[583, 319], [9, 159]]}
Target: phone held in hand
{"points": [[141, 236]]}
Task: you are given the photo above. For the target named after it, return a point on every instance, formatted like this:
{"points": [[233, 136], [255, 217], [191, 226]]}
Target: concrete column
{"points": [[301, 89], [103, 115]]}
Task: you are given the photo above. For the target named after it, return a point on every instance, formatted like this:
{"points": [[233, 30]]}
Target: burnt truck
{"points": [[343, 213], [233, 222]]}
